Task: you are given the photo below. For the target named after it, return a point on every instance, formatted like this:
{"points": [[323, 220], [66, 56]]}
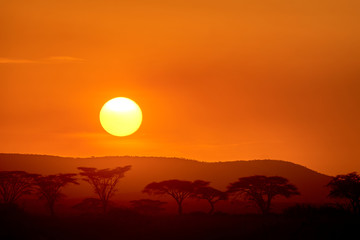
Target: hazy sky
{"points": [[216, 80]]}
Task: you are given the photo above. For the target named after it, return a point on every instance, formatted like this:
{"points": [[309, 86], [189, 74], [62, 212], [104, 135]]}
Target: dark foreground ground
{"points": [[125, 224]]}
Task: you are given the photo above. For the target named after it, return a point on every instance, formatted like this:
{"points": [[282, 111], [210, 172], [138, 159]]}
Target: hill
{"points": [[144, 170]]}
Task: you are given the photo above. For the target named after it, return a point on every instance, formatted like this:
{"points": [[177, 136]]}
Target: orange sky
{"points": [[216, 80]]}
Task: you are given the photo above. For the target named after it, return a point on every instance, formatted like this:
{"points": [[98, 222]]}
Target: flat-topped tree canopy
{"points": [[103, 181]]}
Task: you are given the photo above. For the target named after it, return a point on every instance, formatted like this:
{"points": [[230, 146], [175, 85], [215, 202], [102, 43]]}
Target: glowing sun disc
{"points": [[120, 116]]}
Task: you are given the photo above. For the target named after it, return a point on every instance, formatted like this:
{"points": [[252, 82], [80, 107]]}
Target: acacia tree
{"points": [[15, 184], [178, 189], [261, 189], [49, 187], [210, 194], [346, 187], [103, 181]]}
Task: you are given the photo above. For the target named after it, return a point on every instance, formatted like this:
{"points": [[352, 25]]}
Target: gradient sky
{"points": [[216, 80]]}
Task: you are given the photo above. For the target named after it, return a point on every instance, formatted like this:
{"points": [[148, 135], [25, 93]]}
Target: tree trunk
{"points": [[180, 207], [267, 205], [212, 208], [264, 210], [51, 208], [104, 203], [262, 206]]}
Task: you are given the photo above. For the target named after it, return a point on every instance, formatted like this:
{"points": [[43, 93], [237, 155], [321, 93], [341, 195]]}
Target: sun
{"points": [[120, 116]]}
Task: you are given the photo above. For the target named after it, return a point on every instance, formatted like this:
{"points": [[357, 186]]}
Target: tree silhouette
{"points": [[346, 187], [15, 184], [178, 189], [210, 194], [148, 206], [103, 181], [49, 187], [261, 189]]}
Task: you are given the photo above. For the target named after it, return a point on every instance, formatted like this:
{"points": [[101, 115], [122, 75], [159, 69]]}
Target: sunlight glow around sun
{"points": [[120, 116]]}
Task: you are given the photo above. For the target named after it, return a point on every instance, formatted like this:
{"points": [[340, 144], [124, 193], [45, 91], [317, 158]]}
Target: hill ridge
{"points": [[137, 156], [146, 169], [165, 157]]}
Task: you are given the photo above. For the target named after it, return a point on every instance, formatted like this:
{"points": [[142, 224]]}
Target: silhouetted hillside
{"points": [[147, 169]]}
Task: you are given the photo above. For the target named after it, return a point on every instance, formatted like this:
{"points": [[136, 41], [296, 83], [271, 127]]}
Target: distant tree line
{"points": [[258, 189]]}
